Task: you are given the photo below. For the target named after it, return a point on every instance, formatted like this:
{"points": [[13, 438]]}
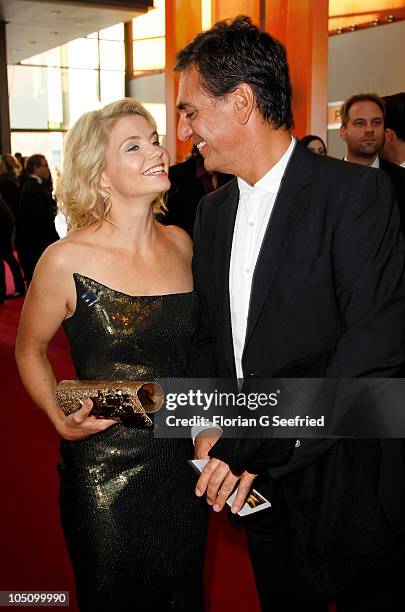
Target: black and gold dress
{"points": [[134, 528]]}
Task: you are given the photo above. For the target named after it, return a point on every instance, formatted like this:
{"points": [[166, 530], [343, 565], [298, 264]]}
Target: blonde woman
{"points": [[120, 284]]}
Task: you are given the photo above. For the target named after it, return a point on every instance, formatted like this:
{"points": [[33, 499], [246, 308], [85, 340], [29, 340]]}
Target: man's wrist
{"points": [[197, 429]]}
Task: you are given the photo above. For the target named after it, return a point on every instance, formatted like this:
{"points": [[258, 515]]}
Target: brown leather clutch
{"points": [[127, 402]]}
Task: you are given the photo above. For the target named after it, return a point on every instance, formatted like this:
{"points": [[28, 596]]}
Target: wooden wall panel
{"points": [[225, 9], [183, 22], [303, 28]]}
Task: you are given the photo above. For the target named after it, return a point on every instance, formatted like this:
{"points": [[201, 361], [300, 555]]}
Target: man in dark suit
{"points": [[363, 131], [35, 229], [299, 267]]}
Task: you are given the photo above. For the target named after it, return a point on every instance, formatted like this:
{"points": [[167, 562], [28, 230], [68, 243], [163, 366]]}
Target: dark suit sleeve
{"points": [[201, 362], [253, 454], [368, 266]]}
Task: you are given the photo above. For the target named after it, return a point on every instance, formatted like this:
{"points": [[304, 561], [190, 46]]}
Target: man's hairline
{"points": [[344, 124]]}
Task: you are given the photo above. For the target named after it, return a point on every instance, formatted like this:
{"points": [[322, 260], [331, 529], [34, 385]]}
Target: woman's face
{"points": [[316, 146], [136, 164]]}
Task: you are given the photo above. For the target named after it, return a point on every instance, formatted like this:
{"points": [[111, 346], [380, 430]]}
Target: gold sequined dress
{"points": [[134, 528]]}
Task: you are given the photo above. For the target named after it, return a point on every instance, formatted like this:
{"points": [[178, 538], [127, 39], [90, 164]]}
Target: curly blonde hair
{"points": [[80, 196]]}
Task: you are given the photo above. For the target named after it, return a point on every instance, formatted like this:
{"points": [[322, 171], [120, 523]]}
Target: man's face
{"points": [[364, 132], [209, 123], [42, 170]]}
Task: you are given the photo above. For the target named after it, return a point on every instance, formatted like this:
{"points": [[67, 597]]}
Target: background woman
{"points": [[314, 144], [120, 284]]}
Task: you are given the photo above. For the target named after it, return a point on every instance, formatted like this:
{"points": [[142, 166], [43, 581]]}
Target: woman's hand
{"points": [[80, 425]]}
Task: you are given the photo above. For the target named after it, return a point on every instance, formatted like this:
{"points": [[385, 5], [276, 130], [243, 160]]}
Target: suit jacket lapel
{"points": [[290, 203], [223, 246]]}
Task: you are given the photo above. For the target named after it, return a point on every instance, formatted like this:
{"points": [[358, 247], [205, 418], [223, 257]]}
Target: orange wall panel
{"points": [[183, 22], [303, 28], [225, 9]]}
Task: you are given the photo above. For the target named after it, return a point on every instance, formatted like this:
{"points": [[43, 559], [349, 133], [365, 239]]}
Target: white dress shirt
{"points": [[254, 210], [375, 164], [253, 215]]}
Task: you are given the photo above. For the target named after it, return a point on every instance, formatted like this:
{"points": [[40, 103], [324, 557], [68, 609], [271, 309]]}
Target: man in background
{"points": [[35, 229], [363, 132]]}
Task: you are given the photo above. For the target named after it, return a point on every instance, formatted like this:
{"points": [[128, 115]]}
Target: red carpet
{"points": [[33, 550]]}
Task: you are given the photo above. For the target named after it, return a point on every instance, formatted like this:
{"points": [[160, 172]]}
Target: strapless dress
{"points": [[134, 529]]}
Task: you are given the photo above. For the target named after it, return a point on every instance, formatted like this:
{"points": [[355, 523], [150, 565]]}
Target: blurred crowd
{"points": [[27, 217]]}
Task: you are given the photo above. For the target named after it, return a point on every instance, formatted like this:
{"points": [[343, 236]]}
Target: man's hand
{"points": [[218, 481], [205, 441]]}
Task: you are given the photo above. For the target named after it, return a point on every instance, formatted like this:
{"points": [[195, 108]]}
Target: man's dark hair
{"points": [[235, 52], [32, 162], [395, 114], [362, 97]]}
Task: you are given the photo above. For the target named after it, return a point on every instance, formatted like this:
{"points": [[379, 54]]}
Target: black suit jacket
{"points": [[35, 219], [10, 190], [397, 176], [327, 299]]}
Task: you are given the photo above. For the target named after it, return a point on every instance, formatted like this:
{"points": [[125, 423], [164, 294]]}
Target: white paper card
{"points": [[254, 503]]}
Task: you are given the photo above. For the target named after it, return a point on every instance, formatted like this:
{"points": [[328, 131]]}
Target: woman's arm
{"points": [[51, 297]]}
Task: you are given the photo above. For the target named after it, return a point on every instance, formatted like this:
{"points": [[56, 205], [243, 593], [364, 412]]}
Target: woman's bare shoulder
{"points": [[179, 238], [66, 254]]}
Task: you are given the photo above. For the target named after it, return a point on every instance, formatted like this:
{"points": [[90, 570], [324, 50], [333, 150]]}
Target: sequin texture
{"points": [[134, 528]]}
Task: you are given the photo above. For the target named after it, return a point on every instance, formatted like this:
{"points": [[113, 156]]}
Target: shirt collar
{"points": [[270, 182], [34, 176], [375, 164]]}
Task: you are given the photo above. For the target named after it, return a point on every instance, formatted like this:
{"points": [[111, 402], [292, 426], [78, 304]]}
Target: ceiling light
{"points": [[352, 28], [55, 12], [375, 22], [390, 18], [33, 42], [78, 22], [53, 33]]}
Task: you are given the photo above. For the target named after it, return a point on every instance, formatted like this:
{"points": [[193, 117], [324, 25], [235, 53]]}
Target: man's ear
{"points": [[244, 102], [342, 133], [389, 135]]}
